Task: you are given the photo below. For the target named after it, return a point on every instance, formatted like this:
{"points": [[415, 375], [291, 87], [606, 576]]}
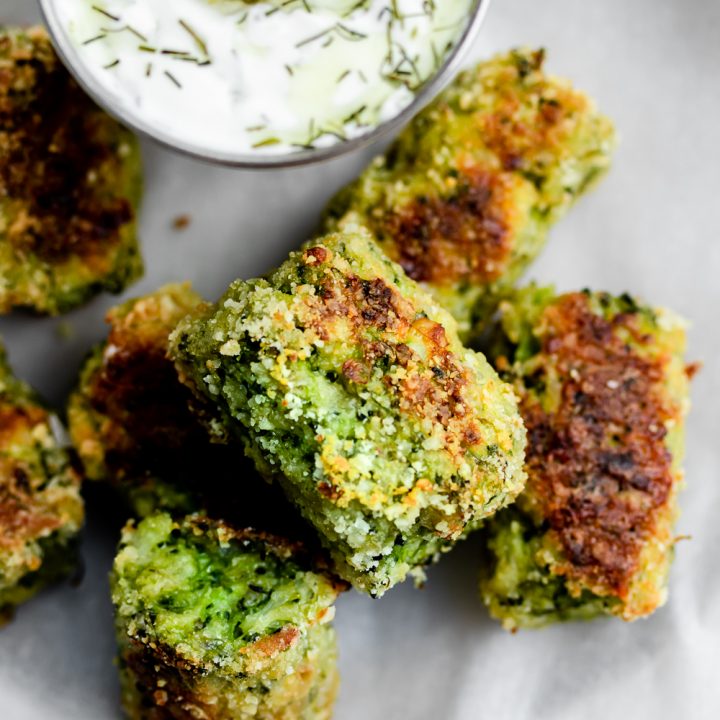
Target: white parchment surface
{"points": [[652, 227]]}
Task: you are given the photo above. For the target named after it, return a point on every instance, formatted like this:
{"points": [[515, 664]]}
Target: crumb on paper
{"points": [[181, 222]]}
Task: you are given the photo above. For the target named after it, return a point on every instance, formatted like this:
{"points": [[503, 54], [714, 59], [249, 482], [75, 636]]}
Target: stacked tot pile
{"points": [[346, 419]]}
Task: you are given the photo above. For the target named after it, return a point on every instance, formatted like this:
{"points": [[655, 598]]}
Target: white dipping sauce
{"points": [[263, 77]]}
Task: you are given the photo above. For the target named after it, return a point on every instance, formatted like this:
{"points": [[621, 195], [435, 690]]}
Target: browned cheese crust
{"points": [[69, 184], [381, 322], [148, 425], [24, 517], [46, 163], [467, 236], [41, 510], [599, 471], [160, 674]]}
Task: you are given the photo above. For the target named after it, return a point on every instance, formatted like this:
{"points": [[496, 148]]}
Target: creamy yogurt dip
{"points": [[271, 76]]}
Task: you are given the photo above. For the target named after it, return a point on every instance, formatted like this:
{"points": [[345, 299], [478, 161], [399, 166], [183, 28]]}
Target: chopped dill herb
{"points": [[124, 28], [91, 40], [136, 33], [354, 116], [312, 38], [349, 33], [105, 13], [202, 45], [361, 5], [266, 142], [172, 78]]}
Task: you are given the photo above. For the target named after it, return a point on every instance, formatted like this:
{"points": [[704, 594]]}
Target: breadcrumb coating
{"points": [[70, 185], [604, 391], [41, 510], [350, 387], [222, 624]]}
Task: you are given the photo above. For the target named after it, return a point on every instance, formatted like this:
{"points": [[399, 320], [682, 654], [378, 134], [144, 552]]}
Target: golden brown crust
{"points": [[383, 324], [599, 472], [41, 510], [136, 389], [272, 645], [165, 687], [24, 517], [157, 676], [55, 159], [466, 235], [16, 420], [519, 138]]}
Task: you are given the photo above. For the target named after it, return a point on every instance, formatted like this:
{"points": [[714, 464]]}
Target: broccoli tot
{"points": [[41, 511], [221, 624], [604, 390], [70, 184], [129, 417], [464, 198], [349, 386]]}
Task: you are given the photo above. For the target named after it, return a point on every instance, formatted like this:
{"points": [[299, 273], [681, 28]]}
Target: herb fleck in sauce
{"points": [[267, 76]]}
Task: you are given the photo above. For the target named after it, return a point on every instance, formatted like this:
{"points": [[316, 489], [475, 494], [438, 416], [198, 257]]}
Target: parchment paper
{"points": [[652, 227]]}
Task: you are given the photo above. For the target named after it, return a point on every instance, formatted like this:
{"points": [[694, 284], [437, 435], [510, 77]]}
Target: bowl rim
{"points": [[95, 89]]}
